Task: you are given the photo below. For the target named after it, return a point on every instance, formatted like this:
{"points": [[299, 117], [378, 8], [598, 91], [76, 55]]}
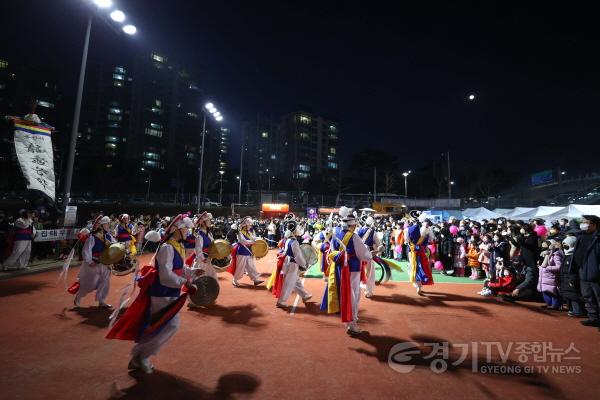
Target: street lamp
{"points": [[117, 16], [269, 187], [212, 109], [405, 175], [221, 187], [471, 97]]}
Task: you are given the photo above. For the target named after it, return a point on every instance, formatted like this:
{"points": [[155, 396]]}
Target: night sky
{"points": [[396, 77]]}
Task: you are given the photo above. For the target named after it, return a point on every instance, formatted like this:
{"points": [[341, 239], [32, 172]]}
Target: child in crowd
{"points": [[473, 260], [460, 254], [505, 283], [484, 255]]}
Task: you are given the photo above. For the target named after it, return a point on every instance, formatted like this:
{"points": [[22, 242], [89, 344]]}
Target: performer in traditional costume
{"points": [[369, 237], [152, 319], [342, 293], [242, 258], [93, 275], [293, 263], [203, 240], [24, 233], [125, 233], [417, 238]]}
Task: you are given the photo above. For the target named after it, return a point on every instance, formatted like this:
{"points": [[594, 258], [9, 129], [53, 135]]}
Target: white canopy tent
{"points": [[574, 211], [539, 212], [503, 211], [480, 213], [518, 211]]}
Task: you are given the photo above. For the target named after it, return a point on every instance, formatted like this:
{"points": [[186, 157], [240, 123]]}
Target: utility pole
{"points": [[449, 180], [374, 184]]}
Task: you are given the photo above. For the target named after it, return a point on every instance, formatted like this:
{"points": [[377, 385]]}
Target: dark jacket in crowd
{"points": [[586, 256], [530, 276], [530, 250], [569, 280]]}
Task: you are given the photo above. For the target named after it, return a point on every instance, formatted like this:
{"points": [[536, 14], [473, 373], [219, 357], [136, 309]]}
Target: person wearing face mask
{"points": [[499, 250], [570, 290], [484, 255], [503, 286], [586, 259], [529, 251], [549, 271]]}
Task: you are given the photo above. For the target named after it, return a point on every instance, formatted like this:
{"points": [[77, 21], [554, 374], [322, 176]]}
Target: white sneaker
{"points": [[104, 305], [235, 284], [353, 330], [368, 295], [146, 365], [307, 298], [419, 291]]}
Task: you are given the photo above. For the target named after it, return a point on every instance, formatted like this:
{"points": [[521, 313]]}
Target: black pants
{"points": [[590, 291]]}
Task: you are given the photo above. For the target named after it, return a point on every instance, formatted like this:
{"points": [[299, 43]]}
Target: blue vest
{"points": [[244, 250], [159, 290], [190, 242], [99, 246], [414, 234], [370, 240], [289, 251], [353, 261], [24, 233], [206, 242], [122, 234]]}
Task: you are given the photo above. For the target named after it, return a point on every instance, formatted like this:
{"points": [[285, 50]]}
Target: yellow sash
{"points": [[178, 248], [333, 302]]}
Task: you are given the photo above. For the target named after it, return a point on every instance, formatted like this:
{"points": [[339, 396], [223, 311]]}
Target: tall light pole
{"points": [[405, 175], [221, 187], [449, 181], [117, 16], [210, 108], [241, 168], [148, 182], [269, 185]]}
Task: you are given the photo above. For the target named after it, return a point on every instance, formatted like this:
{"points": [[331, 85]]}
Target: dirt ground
{"points": [[244, 347]]}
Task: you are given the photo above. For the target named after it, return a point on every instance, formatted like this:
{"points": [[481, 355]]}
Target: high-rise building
{"points": [[142, 122], [262, 145], [310, 145]]}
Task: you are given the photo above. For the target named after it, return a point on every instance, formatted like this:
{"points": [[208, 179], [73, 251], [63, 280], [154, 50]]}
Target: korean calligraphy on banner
{"points": [[34, 151], [50, 235]]}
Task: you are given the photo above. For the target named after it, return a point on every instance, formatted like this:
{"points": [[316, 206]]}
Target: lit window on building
{"points": [[304, 119], [304, 136], [158, 57], [111, 139], [333, 136], [110, 146], [332, 165], [113, 125], [151, 156], [114, 110], [330, 157], [118, 84], [46, 84], [3, 64], [158, 103], [264, 135], [108, 165], [119, 77], [112, 117], [190, 156], [153, 132], [302, 175], [273, 157], [45, 104], [155, 126], [332, 128], [156, 110], [120, 70], [150, 163], [192, 115], [304, 167], [193, 86], [332, 150]]}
